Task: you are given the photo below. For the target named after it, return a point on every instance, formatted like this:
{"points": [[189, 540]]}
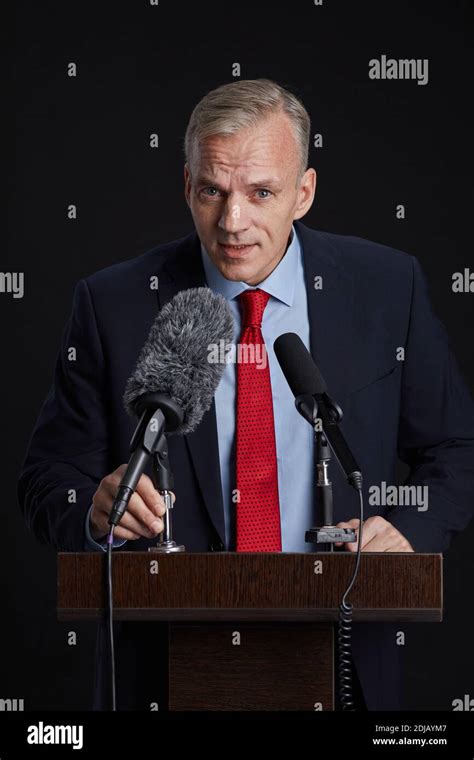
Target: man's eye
{"points": [[210, 191], [263, 190]]}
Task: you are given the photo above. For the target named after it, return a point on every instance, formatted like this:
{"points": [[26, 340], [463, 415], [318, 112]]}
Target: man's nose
{"points": [[234, 217]]}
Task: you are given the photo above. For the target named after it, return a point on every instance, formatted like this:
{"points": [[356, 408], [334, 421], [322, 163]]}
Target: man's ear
{"points": [[306, 193], [187, 184]]}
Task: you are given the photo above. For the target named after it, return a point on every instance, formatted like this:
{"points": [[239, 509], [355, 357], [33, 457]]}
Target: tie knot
{"points": [[252, 306]]}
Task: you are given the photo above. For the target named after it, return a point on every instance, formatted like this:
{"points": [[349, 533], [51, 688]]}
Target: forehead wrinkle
{"points": [[227, 176], [220, 168], [241, 156]]}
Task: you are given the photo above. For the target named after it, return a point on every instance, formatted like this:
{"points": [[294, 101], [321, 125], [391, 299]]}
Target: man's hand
{"points": [[143, 516], [378, 535]]}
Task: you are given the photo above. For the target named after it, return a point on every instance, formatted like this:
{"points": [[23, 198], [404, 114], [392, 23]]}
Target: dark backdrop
{"points": [[85, 141]]}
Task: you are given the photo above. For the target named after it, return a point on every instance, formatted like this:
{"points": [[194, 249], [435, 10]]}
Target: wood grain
{"points": [[228, 586]]}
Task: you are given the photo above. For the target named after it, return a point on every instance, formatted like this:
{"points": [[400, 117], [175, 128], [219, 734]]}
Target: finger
{"points": [[387, 539], [146, 519], [152, 498], [354, 523], [372, 527], [123, 534], [366, 540], [128, 522], [353, 546], [400, 543], [132, 523]]}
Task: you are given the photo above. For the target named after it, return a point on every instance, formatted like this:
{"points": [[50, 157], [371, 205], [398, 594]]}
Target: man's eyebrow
{"points": [[203, 180], [270, 182]]}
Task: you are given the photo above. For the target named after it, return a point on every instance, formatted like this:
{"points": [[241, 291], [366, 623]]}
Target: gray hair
{"points": [[245, 103]]}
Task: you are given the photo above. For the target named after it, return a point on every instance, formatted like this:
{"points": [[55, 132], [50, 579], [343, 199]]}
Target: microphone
{"points": [[174, 380], [308, 386]]}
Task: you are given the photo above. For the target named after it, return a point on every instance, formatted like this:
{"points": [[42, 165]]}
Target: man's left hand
{"points": [[378, 535]]}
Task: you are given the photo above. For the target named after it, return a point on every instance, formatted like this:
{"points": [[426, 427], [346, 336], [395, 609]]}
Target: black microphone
{"points": [[307, 383], [174, 380]]}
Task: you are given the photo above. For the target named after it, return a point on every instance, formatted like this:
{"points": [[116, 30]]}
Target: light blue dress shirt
{"points": [[286, 311]]}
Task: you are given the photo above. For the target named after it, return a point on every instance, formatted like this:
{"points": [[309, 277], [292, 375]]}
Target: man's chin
{"points": [[237, 271]]}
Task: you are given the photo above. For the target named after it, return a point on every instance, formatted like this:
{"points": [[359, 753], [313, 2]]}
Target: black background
{"points": [[85, 141]]}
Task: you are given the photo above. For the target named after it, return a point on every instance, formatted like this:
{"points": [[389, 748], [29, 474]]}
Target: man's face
{"points": [[242, 191]]}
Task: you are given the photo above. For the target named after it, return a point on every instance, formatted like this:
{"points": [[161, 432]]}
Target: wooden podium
{"points": [[241, 624]]}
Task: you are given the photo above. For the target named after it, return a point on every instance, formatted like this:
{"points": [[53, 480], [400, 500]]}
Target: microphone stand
{"points": [[328, 534], [164, 483]]}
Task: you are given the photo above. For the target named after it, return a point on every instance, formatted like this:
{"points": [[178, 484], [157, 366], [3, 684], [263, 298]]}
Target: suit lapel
{"points": [[335, 344]]}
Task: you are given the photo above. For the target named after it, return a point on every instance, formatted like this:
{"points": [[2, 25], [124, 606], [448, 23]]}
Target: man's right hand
{"points": [[143, 516]]}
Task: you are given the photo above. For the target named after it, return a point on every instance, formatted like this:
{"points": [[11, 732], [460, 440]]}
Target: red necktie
{"points": [[258, 508]]}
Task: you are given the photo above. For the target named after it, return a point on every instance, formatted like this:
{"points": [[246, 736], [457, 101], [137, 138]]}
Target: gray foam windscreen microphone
{"points": [[175, 359]]}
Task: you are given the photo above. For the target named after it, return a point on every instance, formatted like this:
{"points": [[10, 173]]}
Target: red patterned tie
{"points": [[258, 509]]}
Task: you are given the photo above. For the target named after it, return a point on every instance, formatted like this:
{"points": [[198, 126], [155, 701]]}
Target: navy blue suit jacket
{"points": [[373, 302]]}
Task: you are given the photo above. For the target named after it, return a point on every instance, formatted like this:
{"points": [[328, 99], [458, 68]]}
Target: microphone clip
{"points": [[307, 405]]}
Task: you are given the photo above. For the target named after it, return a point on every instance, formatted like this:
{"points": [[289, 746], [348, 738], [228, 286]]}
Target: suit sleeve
{"points": [[91, 545], [68, 453], [436, 430]]}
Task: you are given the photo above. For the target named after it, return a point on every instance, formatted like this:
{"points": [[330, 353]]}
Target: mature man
{"points": [[363, 311]]}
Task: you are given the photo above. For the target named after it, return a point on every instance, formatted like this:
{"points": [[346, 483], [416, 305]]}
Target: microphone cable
{"points": [[110, 617], [345, 621]]}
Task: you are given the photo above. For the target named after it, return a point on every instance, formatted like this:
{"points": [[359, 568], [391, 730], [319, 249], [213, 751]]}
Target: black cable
{"points": [[345, 624], [110, 615]]}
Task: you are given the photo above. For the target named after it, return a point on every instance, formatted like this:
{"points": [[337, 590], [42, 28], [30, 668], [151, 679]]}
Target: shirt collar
{"points": [[280, 283]]}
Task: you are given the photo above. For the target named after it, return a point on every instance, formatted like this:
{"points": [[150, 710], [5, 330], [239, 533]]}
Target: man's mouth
{"points": [[236, 251]]}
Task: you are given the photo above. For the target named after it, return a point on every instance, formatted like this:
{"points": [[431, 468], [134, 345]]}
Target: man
{"points": [[363, 311]]}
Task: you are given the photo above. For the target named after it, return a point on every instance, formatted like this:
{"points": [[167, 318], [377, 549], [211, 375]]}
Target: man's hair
{"points": [[245, 103]]}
